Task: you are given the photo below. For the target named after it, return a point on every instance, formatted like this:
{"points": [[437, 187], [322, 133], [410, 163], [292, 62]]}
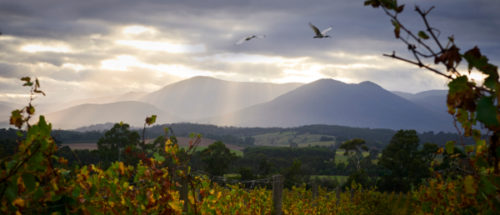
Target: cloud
{"points": [[95, 47]]}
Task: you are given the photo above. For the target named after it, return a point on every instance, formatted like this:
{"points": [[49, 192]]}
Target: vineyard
{"points": [[156, 178], [34, 180]]}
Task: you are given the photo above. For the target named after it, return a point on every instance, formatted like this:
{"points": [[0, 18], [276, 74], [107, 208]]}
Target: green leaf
{"points": [[26, 79], [487, 112], [30, 110], [486, 186], [16, 118], [397, 28], [450, 146], [469, 184], [76, 192], [38, 193], [11, 191], [423, 35], [151, 120], [491, 81], [470, 148], [458, 84], [158, 157], [29, 181], [475, 59], [11, 164]]}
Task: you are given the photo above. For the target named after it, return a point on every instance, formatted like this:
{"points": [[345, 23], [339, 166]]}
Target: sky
{"points": [[91, 48]]}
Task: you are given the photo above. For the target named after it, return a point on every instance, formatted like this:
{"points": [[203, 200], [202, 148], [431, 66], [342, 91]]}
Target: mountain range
{"points": [[332, 102], [210, 100]]}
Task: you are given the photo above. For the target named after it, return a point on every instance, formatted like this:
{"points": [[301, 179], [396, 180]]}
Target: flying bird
{"points": [[248, 38], [320, 34]]}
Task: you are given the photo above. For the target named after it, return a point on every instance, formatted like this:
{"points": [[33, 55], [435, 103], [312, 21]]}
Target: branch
{"points": [[429, 28], [395, 18], [419, 64]]}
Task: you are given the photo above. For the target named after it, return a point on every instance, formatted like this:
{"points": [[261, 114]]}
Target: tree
{"points": [[354, 148], [475, 105], [217, 158], [112, 145], [407, 165]]}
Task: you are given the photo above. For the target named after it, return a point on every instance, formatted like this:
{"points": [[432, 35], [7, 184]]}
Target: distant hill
{"points": [[44, 108], [202, 97], [130, 112], [434, 100], [333, 102]]}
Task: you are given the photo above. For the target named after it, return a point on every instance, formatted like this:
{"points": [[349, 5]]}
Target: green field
{"points": [[239, 153], [290, 137]]}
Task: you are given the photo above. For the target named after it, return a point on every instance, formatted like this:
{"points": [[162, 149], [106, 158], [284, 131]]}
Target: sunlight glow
{"points": [[162, 46], [75, 67], [120, 63], [57, 48], [125, 62], [14, 95], [478, 77], [138, 29]]}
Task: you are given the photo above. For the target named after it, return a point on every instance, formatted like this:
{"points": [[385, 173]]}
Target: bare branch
{"points": [[395, 18], [429, 28], [419, 64]]}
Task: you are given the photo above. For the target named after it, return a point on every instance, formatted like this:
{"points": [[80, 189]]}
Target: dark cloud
{"points": [[90, 27]]}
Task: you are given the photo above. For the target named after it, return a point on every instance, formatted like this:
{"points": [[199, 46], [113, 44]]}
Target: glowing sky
{"points": [[91, 48]]}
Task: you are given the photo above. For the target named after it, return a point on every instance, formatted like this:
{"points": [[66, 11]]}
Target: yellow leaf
{"points": [[121, 167], [440, 151], [18, 202], [175, 206], [168, 144], [469, 185]]}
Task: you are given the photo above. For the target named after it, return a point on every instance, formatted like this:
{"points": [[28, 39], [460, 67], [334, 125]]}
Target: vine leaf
{"points": [[486, 111], [423, 35], [151, 120], [469, 185], [397, 28], [450, 146]]}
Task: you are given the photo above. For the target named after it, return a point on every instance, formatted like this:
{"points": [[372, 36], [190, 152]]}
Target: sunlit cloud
{"points": [[56, 47], [252, 58], [138, 29], [127, 63], [162, 46], [74, 67], [13, 95], [120, 63]]}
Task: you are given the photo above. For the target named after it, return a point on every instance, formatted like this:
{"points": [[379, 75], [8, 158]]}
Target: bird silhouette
{"points": [[248, 38], [320, 34]]}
